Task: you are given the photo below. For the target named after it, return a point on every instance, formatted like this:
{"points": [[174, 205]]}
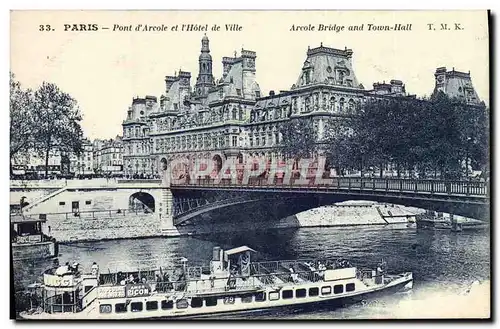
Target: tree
{"points": [[383, 131], [342, 147], [21, 119], [460, 135], [438, 134], [57, 117], [299, 138]]}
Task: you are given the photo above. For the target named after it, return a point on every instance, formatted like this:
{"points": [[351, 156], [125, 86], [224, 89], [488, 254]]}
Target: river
{"points": [[443, 263]]}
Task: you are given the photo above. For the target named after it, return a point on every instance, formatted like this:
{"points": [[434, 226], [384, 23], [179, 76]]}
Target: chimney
{"points": [[169, 81]]}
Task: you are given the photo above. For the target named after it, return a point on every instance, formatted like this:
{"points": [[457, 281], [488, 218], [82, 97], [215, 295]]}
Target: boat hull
{"points": [[39, 250], [322, 305]]}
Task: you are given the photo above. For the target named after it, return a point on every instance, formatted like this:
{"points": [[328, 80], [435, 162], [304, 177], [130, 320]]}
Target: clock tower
{"points": [[205, 78]]}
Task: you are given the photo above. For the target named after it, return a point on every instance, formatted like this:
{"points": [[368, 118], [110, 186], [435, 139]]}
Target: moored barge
{"points": [[28, 240]]}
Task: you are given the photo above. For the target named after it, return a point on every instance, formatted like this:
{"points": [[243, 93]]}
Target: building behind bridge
{"points": [[99, 158], [229, 114]]}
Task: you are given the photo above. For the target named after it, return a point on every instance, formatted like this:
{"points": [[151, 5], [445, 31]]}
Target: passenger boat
{"points": [[232, 283], [28, 240]]}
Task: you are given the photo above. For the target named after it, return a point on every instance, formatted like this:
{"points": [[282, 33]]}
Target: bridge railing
{"points": [[90, 214], [424, 186], [139, 181]]}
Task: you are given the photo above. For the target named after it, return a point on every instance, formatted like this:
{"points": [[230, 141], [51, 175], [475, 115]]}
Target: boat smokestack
{"points": [[216, 254]]}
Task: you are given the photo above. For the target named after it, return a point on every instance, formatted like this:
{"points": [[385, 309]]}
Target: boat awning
{"points": [[24, 220], [238, 250]]}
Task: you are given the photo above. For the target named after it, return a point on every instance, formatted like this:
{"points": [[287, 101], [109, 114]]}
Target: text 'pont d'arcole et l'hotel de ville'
{"points": [[231, 115]]}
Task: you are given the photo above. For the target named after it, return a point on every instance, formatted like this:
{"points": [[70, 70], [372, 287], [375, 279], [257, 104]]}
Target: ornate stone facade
{"points": [[231, 116]]}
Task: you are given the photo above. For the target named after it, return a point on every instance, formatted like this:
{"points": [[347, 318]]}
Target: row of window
{"points": [[331, 105], [135, 132], [199, 119], [194, 142], [301, 293], [62, 203], [167, 144], [262, 141], [137, 148], [197, 302], [270, 114]]}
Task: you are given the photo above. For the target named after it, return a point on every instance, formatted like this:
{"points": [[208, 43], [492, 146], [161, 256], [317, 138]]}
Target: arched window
{"points": [[341, 77], [241, 114], [308, 103], [234, 114], [332, 104], [351, 105]]}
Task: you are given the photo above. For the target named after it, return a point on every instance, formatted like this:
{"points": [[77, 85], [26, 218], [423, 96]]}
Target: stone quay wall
{"points": [[74, 229]]}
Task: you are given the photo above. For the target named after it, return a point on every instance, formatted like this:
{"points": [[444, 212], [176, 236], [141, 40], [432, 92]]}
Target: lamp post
{"points": [[469, 139]]}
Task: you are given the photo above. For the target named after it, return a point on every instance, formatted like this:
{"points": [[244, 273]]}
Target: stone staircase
{"points": [[28, 208]]}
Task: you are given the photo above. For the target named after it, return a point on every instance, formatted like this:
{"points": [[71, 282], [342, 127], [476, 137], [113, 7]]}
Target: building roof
{"points": [[276, 101], [456, 84], [324, 65]]}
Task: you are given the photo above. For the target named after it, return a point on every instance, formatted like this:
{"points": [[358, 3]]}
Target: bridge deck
{"points": [[405, 186]]}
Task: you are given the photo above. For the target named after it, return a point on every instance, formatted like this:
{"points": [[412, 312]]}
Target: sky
{"points": [[103, 70]]}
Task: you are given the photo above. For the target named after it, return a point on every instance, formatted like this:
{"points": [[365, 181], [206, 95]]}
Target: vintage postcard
{"points": [[250, 165]]}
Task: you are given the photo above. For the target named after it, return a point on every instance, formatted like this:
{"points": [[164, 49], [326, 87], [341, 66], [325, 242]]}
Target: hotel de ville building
{"points": [[230, 115]]}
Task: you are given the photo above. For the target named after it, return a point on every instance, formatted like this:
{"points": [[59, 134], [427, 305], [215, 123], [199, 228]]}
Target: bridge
{"points": [[194, 198], [168, 207]]}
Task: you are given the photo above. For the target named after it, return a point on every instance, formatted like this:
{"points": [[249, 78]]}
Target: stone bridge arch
{"points": [[142, 202], [276, 205]]}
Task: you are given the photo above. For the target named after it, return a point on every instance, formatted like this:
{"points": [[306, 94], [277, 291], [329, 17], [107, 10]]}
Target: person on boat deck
{"points": [[94, 269], [13, 234], [159, 283], [63, 270], [74, 267], [321, 270], [212, 281], [293, 276], [379, 270], [131, 278], [119, 277], [181, 282], [166, 281], [231, 282]]}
